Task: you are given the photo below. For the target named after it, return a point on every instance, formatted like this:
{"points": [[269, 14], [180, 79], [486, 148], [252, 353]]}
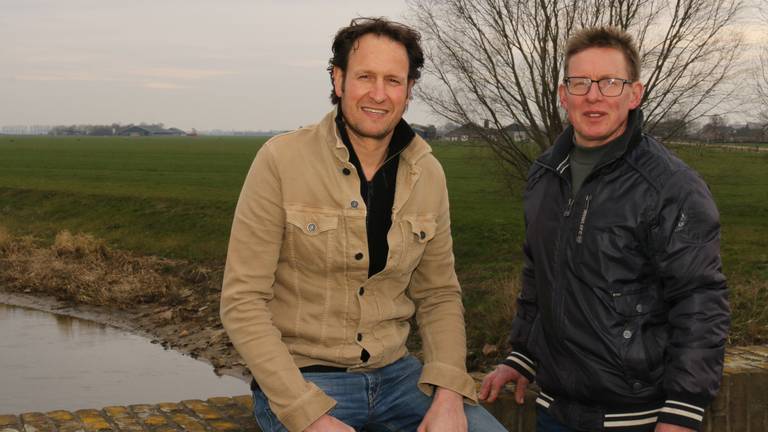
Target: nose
{"points": [[594, 92], [377, 92]]}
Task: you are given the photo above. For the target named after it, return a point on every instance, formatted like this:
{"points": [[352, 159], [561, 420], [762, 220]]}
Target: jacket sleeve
{"points": [[436, 292], [249, 274], [687, 239], [527, 309], [520, 358]]}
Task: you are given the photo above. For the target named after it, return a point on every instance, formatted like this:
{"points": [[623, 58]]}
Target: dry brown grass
{"points": [[79, 267], [749, 312], [489, 309], [78, 245], [5, 238]]}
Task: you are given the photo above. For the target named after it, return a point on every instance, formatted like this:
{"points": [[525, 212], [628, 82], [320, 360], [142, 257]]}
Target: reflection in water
{"points": [[50, 362]]}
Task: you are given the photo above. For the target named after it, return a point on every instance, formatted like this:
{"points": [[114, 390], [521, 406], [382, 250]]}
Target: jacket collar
{"points": [[557, 157]]}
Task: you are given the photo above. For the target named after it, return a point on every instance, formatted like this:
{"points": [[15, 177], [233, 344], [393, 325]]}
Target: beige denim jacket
{"points": [[291, 295]]}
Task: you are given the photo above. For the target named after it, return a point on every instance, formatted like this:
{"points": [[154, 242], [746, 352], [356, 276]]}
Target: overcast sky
{"points": [[226, 64], [205, 64]]}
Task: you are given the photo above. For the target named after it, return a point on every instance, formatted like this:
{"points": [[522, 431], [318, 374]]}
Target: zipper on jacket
{"points": [[583, 221], [568, 209]]}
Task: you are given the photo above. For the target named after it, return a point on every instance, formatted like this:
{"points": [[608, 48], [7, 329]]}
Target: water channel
{"points": [[50, 362]]}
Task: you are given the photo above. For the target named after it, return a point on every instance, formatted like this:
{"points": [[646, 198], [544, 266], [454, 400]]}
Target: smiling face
{"points": [[374, 89], [598, 119]]}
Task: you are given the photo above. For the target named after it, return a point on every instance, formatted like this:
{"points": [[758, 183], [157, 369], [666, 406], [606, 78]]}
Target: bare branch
{"points": [[502, 60]]}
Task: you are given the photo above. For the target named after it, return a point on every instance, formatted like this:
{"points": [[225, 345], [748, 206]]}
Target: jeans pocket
{"points": [[264, 416]]}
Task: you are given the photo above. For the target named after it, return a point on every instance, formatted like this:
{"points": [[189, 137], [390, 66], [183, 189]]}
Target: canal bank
{"points": [[173, 302]]}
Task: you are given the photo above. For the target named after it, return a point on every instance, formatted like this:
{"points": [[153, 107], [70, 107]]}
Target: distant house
{"points": [[751, 133], [473, 131], [426, 132], [671, 129], [717, 133], [467, 132], [151, 130], [516, 132]]}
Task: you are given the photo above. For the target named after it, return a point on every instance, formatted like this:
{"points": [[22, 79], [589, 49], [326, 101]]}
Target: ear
{"points": [[338, 81], [411, 83], [563, 96], [637, 94]]}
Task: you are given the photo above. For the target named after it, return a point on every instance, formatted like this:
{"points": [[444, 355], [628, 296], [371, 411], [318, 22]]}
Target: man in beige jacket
{"points": [[341, 235]]}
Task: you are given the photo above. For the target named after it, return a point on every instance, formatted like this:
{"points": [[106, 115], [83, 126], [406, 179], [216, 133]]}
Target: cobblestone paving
{"points": [[220, 414]]}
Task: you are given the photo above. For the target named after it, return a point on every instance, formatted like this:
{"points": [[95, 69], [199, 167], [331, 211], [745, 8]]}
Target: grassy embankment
{"points": [[174, 197]]}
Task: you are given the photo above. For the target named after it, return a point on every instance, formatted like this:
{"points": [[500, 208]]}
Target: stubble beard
{"points": [[358, 132]]}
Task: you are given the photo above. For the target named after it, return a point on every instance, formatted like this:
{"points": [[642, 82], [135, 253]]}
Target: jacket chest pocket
{"points": [[417, 232], [312, 238]]}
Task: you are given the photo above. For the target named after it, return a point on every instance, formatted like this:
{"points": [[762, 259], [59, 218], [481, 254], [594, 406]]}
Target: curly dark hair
{"points": [[347, 36]]}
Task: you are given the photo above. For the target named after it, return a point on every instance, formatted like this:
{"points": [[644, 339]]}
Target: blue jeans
{"points": [[383, 400]]}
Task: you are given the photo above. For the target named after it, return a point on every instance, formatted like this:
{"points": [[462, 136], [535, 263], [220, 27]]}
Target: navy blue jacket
{"points": [[623, 314]]}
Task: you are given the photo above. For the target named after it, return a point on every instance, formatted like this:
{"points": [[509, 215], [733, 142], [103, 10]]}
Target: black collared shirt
{"points": [[379, 193]]}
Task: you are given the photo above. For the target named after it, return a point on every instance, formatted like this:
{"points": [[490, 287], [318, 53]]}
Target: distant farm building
{"points": [[467, 132], [516, 132], [426, 132], [474, 132], [150, 131]]}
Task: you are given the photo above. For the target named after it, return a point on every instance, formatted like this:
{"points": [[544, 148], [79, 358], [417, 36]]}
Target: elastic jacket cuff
{"points": [[682, 413], [523, 364], [449, 377], [305, 410]]}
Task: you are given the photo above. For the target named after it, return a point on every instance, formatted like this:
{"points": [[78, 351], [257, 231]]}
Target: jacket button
{"points": [[422, 235], [354, 204], [361, 291], [359, 337], [639, 308], [359, 256], [346, 171], [627, 334], [636, 386], [311, 227]]}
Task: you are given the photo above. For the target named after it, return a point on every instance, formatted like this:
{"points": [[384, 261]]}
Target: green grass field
{"points": [[175, 197]]}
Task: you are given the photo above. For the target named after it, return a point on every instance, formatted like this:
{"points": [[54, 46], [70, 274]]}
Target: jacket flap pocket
{"points": [[311, 223], [423, 229], [634, 303]]}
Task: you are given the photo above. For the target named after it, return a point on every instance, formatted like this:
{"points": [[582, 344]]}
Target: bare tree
{"points": [[502, 60], [762, 71]]}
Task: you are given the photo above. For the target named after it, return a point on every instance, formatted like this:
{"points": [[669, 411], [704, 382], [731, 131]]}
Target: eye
{"points": [[578, 83], [394, 81]]}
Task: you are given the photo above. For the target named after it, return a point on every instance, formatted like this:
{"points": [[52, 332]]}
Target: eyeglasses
{"points": [[611, 87]]}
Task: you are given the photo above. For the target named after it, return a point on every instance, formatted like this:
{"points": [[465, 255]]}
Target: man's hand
{"points": [[446, 414], [495, 380], [666, 427], [328, 423]]}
